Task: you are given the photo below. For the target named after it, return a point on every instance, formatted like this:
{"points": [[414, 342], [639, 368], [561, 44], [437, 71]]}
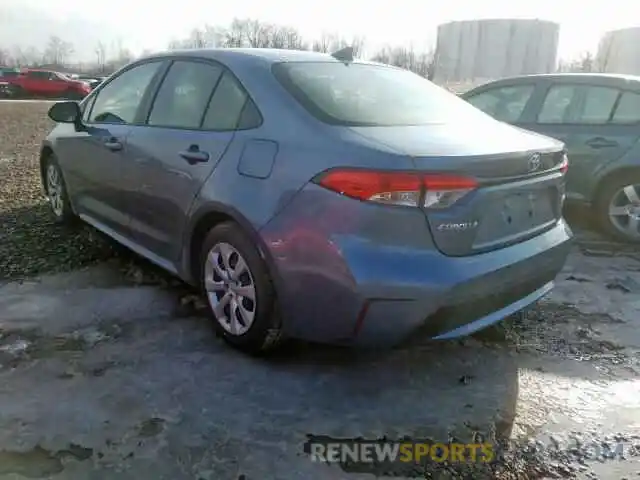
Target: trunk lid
{"points": [[520, 189]]}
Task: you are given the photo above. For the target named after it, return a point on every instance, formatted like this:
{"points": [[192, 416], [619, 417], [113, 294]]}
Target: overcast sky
{"points": [[151, 24]]}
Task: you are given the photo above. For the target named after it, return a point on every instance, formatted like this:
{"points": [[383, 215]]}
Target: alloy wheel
{"points": [[230, 289], [55, 190], [624, 211]]}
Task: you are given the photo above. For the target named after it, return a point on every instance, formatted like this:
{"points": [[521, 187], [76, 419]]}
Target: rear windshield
{"points": [[360, 94]]}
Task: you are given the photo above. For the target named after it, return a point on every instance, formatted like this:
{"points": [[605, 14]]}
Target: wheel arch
{"points": [[204, 219], [610, 177]]}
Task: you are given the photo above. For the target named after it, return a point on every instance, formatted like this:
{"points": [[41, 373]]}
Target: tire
{"points": [[254, 335], [613, 194], [56, 190]]}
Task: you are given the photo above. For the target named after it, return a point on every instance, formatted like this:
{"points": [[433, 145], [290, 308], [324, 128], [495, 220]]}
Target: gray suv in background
{"points": [[597, 116]]}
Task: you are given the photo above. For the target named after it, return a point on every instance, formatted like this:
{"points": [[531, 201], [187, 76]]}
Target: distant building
{"points": [[619, 52], [468, 51]]}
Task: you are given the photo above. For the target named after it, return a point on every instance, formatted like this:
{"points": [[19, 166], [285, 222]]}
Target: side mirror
{"points": [[65, 112]]}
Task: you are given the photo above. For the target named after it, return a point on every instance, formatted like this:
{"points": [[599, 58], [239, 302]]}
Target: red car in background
{"points": [[45, 83]]}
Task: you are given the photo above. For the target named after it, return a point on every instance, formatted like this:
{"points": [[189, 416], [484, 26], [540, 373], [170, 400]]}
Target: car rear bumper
{"points": [[345, 284], [501, 283]]}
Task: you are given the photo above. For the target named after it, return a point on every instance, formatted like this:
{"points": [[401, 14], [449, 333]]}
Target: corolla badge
{"points": [[535, 161], [457, 227]]}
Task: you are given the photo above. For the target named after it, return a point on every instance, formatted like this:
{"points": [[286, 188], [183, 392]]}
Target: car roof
{"points": [[607, 79], [595, 76], [253, 55]]}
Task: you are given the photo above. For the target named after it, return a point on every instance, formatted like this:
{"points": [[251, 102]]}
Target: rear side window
{"points": [[598, 104], [183, 96], [628, 110], [578, 105], [503, 103], [359, 94], [230, 107]]}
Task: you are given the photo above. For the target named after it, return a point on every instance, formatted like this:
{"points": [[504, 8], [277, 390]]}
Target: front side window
{"points": [[358, 94], [119, 100], [557, 104], [184, 94], [61, 76], [503, 103]]}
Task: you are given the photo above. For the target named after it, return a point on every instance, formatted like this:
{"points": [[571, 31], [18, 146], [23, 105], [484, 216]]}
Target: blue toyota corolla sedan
{"points": [[314, 196]]}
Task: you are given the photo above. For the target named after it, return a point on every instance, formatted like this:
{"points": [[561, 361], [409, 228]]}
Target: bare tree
{"points": [[358, 44], [243, 33], [328, 43], [125, 56], [293, 39], [287, 38], [101, 55], [197, 39], [214, 36], [235, 35], [583, 64], [26, 57], [258, 34], [5, 57], [408, 58], [206, 37], [247, 32], [587, 62], [322, 44], [58, 51], [279, 38], [122, 57]]}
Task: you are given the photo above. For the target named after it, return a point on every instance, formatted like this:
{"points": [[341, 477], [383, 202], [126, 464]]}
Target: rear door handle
{"points": [[194, 155], [600, 142], [113, 144]]}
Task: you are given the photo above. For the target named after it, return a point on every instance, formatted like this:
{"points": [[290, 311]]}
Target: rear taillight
{"points": [[564, 165], [398, 188], [444, 191]]}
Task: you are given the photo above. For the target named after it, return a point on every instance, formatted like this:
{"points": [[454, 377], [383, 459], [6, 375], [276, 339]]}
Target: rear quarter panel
{"points": [[630, 160], [305, 147]]}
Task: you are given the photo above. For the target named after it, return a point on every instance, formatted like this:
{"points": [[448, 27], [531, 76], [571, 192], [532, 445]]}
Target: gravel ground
{"points": [[107, 373], [103, 379], [31, 243]]}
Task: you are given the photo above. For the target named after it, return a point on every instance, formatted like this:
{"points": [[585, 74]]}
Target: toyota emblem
{"points": [[534, 162]]}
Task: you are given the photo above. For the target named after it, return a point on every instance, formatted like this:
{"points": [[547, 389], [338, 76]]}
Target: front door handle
{"points": [[113, 144], [194, 155], [601, 142]]}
